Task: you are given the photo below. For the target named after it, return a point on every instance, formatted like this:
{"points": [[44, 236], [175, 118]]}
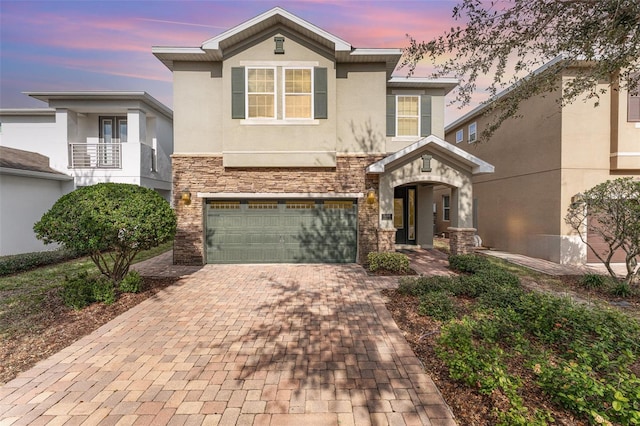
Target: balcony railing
{"points": [[95, 155]]}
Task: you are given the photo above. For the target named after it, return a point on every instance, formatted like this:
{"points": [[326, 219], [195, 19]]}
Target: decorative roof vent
{"points": [[279, 45]]}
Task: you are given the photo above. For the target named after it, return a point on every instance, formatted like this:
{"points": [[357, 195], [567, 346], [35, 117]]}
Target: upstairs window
{"points": [[279, 93], [408, 116], [473, 132], [298, 93], [459, 135], [261, 93]]}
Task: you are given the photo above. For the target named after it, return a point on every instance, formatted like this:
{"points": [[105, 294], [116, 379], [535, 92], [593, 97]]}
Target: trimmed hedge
{"points": [[388, 261], [13, 264]]}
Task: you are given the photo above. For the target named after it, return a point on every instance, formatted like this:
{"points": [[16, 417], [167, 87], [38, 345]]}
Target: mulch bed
{"points": [[469, 406]]}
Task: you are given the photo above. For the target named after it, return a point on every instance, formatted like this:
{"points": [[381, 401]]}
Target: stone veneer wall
{"points": [[461, 240], [205, 173], [386, 240]]}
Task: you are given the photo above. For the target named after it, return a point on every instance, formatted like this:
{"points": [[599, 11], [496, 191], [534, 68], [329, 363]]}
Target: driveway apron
{"points": [[239, 345]]}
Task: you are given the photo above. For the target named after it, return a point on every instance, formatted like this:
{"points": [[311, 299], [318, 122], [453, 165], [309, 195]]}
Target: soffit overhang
{"points": [[447, 84], [102, 101]]}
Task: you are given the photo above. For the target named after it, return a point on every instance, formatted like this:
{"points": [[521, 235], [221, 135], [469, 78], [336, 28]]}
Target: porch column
{"points": [[131, 150], [136, 126], [59, 158], [386, 230], [425, 216], [462, 232]]}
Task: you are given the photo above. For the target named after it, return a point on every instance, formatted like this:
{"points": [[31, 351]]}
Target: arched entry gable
{"points": [[445, 164]]}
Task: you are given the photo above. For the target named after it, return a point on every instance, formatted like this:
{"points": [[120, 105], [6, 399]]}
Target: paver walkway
{"points": [[238, 345], [551, 268]]}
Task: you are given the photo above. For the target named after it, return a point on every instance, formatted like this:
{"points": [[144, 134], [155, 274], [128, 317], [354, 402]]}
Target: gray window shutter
{"points": [[391, 115], [633, 102], [320, 101], [237, 93], [425, 115], [633, 113]]}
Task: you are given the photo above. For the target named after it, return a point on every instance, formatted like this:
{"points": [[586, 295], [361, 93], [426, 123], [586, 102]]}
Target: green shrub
{"points": [[622, 289], [112, 222], [582, 355], [13, 264], [77, 291], [388, 261], [131, 283], [417, 286], [438, 305], [498, 277], [103, 290], [470, 285], [82, 290], [469, 263], [500, 297], [592, 281]]}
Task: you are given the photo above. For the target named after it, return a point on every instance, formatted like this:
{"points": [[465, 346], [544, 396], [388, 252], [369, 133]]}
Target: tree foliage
{"points": [[610, 210], [509, 39], [111, 221]]}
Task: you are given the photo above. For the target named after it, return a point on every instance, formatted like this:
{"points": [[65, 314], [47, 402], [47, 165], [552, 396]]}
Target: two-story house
{"points": [[291, 145], [543, 160], [89, 137]]}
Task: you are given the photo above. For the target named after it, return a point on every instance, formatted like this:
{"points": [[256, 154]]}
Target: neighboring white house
{"points": [[81, 139], [28, 188], [124, 137]]}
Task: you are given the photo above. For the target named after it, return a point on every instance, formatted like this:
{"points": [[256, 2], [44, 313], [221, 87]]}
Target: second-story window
{"points": [[459, 135], [408, 116], [261, 96], [298, 93], [277, 94], [473, 132]]}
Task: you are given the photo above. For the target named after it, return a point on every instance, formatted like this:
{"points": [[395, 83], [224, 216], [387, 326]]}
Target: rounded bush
{"points": [[115, 218], [469, 263], [131, 283]]}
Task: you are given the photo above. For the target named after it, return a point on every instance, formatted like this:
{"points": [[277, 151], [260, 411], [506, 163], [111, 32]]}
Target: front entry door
{"points": [[404, 214]]}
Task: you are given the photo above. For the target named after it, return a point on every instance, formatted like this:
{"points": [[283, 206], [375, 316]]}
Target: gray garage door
{"points": [[282, 231]]}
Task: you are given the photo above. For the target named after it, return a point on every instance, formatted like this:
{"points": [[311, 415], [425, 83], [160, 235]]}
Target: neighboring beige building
{"points": [[541, 161], [291, 145]]}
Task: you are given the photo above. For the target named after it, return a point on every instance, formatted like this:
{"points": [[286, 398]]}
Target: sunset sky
{"points": [[106, 45]]}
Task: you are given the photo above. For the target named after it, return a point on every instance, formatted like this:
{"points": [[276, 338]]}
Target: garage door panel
{"points": [[289, 231]]}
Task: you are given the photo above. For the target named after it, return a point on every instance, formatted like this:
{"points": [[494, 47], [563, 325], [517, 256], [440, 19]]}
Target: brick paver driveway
{"points": [[238, 344]]}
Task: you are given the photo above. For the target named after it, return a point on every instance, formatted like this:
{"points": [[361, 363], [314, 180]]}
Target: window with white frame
{"points": [[459, 135], [446, 207], [261, 95], [279, 93], [298, 93], [408, 115], [473, 132]]}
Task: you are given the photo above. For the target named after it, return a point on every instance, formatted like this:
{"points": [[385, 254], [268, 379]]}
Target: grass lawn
{"points": [[34, 322]]}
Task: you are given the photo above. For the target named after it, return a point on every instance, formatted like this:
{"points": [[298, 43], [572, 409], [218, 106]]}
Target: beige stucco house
{"points": [[542, 161], [291, 145]]}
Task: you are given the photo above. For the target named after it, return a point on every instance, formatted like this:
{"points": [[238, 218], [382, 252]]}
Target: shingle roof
{"points": [[12, 158]]}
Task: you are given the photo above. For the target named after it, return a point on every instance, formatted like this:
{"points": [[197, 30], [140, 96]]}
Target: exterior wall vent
{"points": [[279, 45]]}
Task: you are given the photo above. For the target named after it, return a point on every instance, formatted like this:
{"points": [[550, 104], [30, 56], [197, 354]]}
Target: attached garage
{"points": [[281, 231]]}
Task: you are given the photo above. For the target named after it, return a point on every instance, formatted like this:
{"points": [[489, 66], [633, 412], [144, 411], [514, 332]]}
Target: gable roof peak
{"points": [[276, 15]]}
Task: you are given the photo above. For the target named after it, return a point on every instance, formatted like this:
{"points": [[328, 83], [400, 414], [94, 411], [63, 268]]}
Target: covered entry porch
{"points": [[407, 180]]}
